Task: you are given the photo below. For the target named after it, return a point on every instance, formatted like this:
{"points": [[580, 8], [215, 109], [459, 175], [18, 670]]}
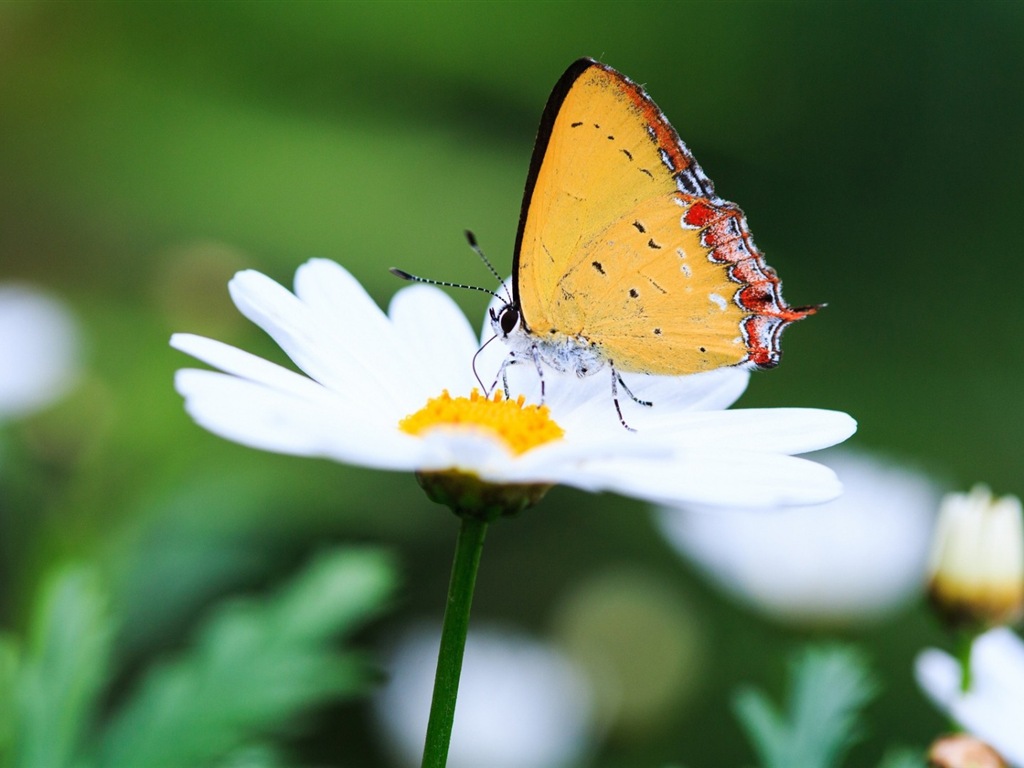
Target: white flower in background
{"points": [[366, 372], [522, 704], [39, 347], [977, 563], [993, 710], [855, 558]]}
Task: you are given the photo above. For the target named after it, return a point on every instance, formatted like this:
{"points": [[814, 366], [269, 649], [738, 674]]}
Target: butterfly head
{"points": [[506, 320]]}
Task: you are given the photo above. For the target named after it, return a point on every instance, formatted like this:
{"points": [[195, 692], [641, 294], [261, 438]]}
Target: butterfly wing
{"points": [[623, 241]]}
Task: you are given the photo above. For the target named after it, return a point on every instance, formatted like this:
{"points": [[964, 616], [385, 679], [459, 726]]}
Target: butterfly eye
{"points": [[509, 319]]}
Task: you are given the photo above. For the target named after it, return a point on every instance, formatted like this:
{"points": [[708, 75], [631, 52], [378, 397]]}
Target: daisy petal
{"points": [[779, 430], [708, 391], [247, 366], [1000, 658], [440, 337], [359, 365], [733, 478], [275, 420], [343, 307], [285, 319], [476, 452]]}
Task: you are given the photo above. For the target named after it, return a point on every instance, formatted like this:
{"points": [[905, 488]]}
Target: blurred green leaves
{"points": [[8, 706], [830, 686], [254, 666], [62, 671], [902, 758]]}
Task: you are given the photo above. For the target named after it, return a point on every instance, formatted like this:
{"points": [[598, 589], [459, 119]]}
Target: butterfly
{"points": [[625, 257]]}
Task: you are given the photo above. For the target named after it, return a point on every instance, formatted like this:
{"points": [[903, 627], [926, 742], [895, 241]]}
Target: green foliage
{"points": [[830, 686], [255, 665], [58, 683], [902, 758], [8, 672], [255, 756]]}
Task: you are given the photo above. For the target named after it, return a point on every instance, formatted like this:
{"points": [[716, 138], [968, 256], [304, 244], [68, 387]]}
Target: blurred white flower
{"points": [[857, 557], [39, 350], [522, 704], [977, 563], [993, 710], [367, 372]]}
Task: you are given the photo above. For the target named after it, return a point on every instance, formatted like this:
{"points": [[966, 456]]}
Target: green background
{"points": [[149, 150]]}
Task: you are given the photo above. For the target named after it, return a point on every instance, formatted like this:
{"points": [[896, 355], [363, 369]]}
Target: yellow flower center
{"points": [[520, 426]]}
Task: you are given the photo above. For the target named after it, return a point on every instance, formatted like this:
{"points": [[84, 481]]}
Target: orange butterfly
{"points": [[625, 256]]}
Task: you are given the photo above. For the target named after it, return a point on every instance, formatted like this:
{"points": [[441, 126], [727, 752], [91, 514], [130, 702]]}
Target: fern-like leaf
{"points": [[830, 686], [62, 671], [255, 666]]}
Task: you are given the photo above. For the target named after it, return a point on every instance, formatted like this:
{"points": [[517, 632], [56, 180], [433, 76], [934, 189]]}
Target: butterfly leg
{"points": [[513, 360], [616, 380], [503, 375], [540, 372], [635, 399]]}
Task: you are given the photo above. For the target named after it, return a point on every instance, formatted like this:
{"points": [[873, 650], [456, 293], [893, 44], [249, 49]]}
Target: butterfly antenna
{"points": [[471, 239], [417, 279]]}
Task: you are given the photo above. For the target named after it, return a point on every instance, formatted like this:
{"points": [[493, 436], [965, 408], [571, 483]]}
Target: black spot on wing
{"points": [[628, 154], [639, 227], [652, 244], [597, 265], [575, 125], [633, 293], [644, 170]]}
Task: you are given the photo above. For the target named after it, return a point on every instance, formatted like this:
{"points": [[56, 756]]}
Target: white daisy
{"points": [[372, 395], [858, 557], [39, 350], [993, 710]]}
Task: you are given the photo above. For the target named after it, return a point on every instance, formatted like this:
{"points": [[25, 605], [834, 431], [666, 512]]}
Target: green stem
{"points": [[965, 646], [468, 548]]}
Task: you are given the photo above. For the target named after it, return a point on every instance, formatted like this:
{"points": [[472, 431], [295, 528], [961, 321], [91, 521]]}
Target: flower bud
{"points": [[977, 563], [961, 750]]}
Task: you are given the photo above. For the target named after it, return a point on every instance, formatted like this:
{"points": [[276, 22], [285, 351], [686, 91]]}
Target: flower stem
{"points": [[468, 548], [966, 645]]}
